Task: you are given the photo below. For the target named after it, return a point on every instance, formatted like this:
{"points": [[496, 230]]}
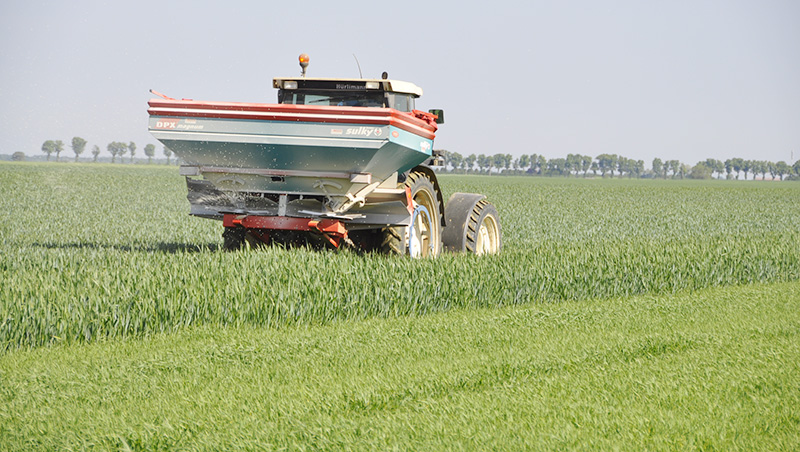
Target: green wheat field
{"points": [[621, 315]]}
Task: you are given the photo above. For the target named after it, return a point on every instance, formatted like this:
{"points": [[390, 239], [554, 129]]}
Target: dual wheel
{"points": [[473, 225]]}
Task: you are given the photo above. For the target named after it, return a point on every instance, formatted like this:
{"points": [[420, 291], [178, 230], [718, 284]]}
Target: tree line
{"points": [[115, 148], [534, 164], [611, 165]]}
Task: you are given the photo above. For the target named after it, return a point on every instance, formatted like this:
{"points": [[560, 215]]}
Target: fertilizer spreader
{"points": [[336, 162]]}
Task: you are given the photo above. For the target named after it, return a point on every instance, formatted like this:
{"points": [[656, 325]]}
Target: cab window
{"points": [[402, 102], [332, 98]]}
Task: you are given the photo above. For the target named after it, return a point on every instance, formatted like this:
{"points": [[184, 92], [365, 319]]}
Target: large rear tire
{"points": [[424, 237], [473, 225]]}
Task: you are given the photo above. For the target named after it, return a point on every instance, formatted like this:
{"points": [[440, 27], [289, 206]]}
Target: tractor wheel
{"points": [[424, 237], [233, 238], [473, 225]]}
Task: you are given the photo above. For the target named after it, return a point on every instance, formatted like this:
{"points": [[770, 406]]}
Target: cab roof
{"points": [[349, 84]]}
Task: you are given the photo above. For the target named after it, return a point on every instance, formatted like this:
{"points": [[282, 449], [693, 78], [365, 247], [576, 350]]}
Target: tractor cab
{"points": [[375, 93], [331, 92]]}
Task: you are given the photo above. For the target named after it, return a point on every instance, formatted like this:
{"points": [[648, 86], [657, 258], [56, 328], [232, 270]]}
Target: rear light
{"points": [[290, 84], [373, 85]]}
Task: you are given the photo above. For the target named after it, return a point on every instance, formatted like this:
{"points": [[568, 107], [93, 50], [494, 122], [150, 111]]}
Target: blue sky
{"points": [[682, 80]]}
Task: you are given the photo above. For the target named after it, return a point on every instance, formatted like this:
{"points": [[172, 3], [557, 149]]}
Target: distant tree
{"points": [[541, 164], [453, 159], [116, 148], [657, 165], [509, 160], [524, 161], [603, 161], [747, 166], [534, 163], [583, 163], [773, 169], [484, 162], [621, 165], [638, 168], [796, 168], [586, 164], [167, 153], [738, 165], [112, 149], [729, 168], [557, 167], [718, 167], [470, 161], [709, 163], [535, 168], [674, 166], [561, 167], [122, 148], [782, 169], [572, 163], [550, 167], [479, 160], [78, 146], [48, 147], [715, 166], [684, 170], [595, 167], [95, 152], [607, 163], [149, 151], [18, 156], [700, 171], [498, 161], [132, 149], [575, 164], [624, 166], [614, 163], [633, 168], [761, 167], [755, 167], [59, 149]]}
